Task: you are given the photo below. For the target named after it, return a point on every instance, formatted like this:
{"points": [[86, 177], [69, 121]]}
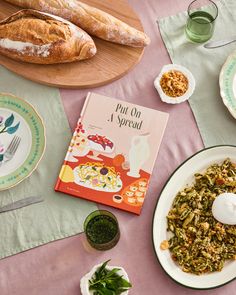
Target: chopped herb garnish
{"points": [[101, 229]]}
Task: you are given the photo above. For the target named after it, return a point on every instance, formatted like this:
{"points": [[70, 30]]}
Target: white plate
{"points": [[18, 117], [227, 82], [182, 176]]}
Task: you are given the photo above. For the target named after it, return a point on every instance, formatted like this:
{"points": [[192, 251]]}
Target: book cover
{"points": [[112, 153]]}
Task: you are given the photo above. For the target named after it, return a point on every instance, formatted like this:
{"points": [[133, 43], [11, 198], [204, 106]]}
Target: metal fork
{"points": [[12, 148]]}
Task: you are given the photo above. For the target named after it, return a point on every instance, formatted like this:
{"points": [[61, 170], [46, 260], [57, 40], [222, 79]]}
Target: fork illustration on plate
{"points": [[12, 148]]}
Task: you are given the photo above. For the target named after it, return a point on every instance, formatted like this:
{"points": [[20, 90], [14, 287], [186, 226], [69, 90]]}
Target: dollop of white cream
{"points": [[224, 208]]}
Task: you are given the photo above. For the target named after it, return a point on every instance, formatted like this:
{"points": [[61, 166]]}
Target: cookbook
{"points": [[112, 153]]}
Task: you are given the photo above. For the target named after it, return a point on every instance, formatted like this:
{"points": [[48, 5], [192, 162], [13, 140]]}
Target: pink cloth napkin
{"points": [[56, 268]]}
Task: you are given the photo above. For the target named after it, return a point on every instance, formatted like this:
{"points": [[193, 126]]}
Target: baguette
{"points": [[35, 37], [94, 21]]}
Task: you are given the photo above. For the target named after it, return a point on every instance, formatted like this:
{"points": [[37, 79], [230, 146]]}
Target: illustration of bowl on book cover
{"points": [[82, 143], [112, 153]]}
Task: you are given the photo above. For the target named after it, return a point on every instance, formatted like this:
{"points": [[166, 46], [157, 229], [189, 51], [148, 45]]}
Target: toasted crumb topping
{"points": [[164, 245], [174, 83]]}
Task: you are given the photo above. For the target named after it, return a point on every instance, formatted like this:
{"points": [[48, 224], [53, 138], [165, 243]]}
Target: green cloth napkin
{"points": [[60, 215], [215, 123]]}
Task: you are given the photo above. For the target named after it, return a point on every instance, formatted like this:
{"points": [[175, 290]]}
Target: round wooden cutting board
{"points": [[111, 62]]}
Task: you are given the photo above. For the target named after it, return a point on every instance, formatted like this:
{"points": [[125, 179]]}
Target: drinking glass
{"points": [[102, 230], [202, 15]]}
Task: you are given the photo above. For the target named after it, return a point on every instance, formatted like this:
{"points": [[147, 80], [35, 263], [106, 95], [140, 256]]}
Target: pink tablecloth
{"points": [[56, 268]]}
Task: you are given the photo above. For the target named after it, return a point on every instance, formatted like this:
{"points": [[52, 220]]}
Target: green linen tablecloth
{"points": [[215, 123], [59, 216]]}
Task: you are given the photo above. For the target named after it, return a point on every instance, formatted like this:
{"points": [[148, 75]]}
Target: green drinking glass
{"points": [[202, 16], [102, 230]]}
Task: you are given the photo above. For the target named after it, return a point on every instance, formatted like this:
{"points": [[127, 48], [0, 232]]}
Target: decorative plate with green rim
{"points": [[228, 83], [20, 122]]}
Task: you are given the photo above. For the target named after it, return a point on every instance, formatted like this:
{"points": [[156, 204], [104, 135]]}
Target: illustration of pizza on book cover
{"points": [[112, 153]]}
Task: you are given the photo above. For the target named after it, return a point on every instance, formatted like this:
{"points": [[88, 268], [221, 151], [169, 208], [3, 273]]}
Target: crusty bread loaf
{"points": [[94, 21], [36, 37]]}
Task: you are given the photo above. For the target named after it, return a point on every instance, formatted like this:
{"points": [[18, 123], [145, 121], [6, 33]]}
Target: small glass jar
{"points": [[102, 230]]}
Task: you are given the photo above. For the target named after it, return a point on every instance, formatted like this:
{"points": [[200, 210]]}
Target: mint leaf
{"points": [[102, 268], [108, 282], [111, 272], [125, 283]]}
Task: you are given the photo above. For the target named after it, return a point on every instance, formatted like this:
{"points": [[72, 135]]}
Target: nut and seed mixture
{"points": [[174, 83], [200, 244]]}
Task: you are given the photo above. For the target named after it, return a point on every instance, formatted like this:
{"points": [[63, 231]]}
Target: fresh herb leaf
{"points": [[125, 283], [114, 270], [102, 268], [108, 282]]}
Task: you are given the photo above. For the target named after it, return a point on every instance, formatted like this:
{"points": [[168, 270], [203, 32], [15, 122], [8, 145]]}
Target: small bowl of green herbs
{"points": [[105, 280]]}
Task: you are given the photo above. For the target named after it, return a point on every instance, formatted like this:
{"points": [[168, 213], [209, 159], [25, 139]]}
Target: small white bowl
{"points": [[178, 99], [84, 282]]}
